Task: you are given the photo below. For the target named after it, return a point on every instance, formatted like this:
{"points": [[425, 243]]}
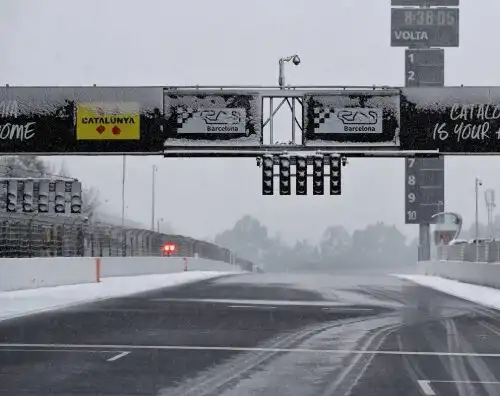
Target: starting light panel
{"points": [[301, 175], [285, 176], [335, 175], [267, 175], [318, 175], [333, 163]]}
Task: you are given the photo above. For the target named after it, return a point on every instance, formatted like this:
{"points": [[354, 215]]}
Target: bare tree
{"points": [[23, 166], [90, 200], [90, 194]]}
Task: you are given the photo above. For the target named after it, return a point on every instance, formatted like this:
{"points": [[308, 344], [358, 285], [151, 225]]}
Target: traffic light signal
{"points": [[267, 175], [43, 196], [318, 175], [285, 177], [301, 176], [169, 248], [76, 197], [60, 197], [11, 195], [28, 196], [335, 176]]}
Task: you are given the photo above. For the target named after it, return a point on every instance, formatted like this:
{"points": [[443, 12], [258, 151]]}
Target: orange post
{"points": [[98, 269]]}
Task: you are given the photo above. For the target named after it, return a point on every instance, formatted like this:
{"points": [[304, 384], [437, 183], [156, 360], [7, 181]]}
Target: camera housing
{"points": [[296, 60]]}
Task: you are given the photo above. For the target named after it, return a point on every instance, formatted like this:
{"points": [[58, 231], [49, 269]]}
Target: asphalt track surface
{"points": [[231, 336]]}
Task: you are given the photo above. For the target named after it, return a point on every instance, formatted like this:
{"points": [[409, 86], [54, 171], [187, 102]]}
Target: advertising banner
{"points": [[64, 120], [451, 120], [211, 118], [108, 121], [351, 117]]}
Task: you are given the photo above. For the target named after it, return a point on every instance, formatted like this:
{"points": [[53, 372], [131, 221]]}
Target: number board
{"points": [[424, 27], [425, 3], [424, 189], [424, 67]]}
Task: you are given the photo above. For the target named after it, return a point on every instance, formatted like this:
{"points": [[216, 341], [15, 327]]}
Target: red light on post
{"points": [[168, 248]]}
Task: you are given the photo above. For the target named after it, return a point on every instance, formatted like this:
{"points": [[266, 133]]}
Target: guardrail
{"points": [[49, 235], [472, 263], [486, 252]]}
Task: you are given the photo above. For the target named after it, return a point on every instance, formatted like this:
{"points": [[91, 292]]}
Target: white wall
{"points": [[32, 273], [129, 266], [29, 273], [485, 274]]}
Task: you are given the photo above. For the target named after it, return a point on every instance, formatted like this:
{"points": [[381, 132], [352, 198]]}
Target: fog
{"points": [[345, 42]]}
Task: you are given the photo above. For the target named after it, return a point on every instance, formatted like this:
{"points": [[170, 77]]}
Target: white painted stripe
{"points": [[120, 355], [248, 349], [53, 350], [262, 302], [345, 309], [251, 306], [490, 328], [426, 387], [468, 382]]}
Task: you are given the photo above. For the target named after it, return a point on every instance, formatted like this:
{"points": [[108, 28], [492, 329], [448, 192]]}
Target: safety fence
{"points": [[484, 252], [42, 235]]}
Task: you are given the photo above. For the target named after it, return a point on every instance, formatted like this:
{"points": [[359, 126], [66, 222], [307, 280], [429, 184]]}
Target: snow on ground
{"points": [[331, 286], [24, 302], [483, 295]]}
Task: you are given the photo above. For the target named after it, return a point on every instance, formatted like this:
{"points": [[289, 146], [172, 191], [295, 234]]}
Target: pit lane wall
{"points": [[472, 263], [30, 273]]}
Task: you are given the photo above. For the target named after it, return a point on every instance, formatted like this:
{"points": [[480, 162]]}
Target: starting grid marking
{"points": [[428, 390], [123, 350]]}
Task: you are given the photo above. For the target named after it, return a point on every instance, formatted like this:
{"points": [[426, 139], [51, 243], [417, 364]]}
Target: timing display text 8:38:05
{"points": [[430, 17]]}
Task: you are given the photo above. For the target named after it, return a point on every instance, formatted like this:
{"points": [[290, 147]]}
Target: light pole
{"points": [[124, 171], [489, 197], [477, 185], [158, 224], [155, 168], [281, 77]]}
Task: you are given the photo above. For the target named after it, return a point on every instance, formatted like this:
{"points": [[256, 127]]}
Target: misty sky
{"points": [[164, 42]]}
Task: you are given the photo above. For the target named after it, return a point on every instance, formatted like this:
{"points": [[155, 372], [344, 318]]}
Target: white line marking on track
{"points": [[425, 386], [491, 328], [468, 382], [245, 349], [53, 350], [320, 303], [251, 307], [120, 355]]}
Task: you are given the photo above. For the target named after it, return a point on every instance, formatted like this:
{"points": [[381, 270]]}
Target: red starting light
{"points": [[169, 248]]}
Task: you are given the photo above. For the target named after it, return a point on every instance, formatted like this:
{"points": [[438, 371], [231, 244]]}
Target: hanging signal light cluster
{"points": [[35, 195], [334, 164]]}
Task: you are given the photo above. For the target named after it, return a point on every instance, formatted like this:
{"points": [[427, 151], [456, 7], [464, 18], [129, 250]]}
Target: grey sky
{"points": [[341, 42]]}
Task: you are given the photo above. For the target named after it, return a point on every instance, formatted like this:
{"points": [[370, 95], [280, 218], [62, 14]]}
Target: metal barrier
{"points": [[42, 235], [486, 252]]}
